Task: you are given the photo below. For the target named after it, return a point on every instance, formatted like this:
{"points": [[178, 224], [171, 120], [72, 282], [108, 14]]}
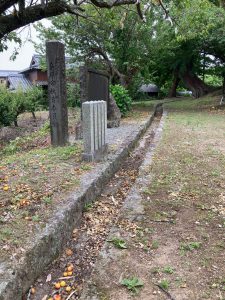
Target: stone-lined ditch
{"points": [[87, 241]]}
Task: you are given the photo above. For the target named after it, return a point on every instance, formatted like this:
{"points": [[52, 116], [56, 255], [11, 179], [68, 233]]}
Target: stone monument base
{"points": [[98, 155], [79, 131], [113, 113]]}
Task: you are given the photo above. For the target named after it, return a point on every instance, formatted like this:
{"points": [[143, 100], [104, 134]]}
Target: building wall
{"points": [[42, 76], [32, 75], [37, 75]]}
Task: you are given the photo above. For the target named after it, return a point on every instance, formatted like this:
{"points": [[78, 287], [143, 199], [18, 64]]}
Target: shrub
{"points": [[73, 95], [12, 104], [35, 99], [6, 113], [123, 100]]}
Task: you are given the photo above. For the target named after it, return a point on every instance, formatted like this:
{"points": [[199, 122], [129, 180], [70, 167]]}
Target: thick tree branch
{"points": [[34, 13], [113, 69], [167, 13], [139, 10], [21, 4], [164, 8], [5, 4], [102, 4], [99, 51]]}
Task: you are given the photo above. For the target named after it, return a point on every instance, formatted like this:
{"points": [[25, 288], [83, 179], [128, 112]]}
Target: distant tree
{"points": [[115, 38], [189, 44]]}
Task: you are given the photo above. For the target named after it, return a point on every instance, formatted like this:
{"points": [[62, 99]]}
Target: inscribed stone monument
{"points": [[94, 85], [57, 93]]}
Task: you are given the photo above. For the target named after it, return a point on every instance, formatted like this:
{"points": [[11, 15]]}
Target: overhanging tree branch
{"points": [[110, 4], [139, 10], [164, 8], [34, 13], [112, 68], [5, 4]]}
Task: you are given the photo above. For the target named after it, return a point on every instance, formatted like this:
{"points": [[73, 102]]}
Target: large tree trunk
{"points": [[195, 84], [33, 115], [223, 88], [173, 90]]}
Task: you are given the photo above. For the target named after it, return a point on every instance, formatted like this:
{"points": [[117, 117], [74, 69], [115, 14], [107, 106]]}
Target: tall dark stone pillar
{"points": [[57, 92]]}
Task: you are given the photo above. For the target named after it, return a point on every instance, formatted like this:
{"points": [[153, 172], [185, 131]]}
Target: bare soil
{"points": [[26, 125], [33, 177]]}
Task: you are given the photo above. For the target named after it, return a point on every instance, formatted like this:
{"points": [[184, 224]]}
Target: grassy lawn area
{"points": [[188, 188], [177, 249]]}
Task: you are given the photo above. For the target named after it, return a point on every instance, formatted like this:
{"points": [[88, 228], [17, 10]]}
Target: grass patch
{"points": [[168, 270], [47, 200], [45, 155], [88, 206], [5, 233], [118, 243], [20, 143], [132, 284], [155, 245], [184, 247], [164, 284], [187, 185], [190, 104], [145, 104]]}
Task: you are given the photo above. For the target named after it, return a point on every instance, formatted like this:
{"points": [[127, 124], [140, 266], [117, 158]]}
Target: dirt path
{"points": [[172, 223]]}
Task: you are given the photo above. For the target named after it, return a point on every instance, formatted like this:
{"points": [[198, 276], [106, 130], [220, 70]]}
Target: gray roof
{"points": [[149, 88], [19, 81], [36, 63], [6, 73]]}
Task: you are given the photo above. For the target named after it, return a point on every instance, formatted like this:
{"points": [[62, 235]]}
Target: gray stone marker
{"points": [[57, 93], [94, 115]]}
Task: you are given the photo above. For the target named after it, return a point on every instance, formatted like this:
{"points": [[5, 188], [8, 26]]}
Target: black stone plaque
{"points": [[94, 85]]}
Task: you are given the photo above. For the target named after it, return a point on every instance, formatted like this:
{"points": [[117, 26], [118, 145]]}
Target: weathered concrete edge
{"points": [[48, 245], [131, 209]]}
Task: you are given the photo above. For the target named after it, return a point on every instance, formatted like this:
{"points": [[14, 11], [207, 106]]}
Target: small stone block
{"points": [[94, 130]]}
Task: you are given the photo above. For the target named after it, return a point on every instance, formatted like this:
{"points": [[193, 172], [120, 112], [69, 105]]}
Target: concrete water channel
{"points": [[87, 241]]}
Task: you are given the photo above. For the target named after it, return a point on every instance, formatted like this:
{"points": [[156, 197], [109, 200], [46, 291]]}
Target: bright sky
{"points": [[25, 53]]}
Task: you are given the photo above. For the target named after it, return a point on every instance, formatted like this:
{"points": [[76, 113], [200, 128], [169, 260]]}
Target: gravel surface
{"points": [[117, 136]]}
